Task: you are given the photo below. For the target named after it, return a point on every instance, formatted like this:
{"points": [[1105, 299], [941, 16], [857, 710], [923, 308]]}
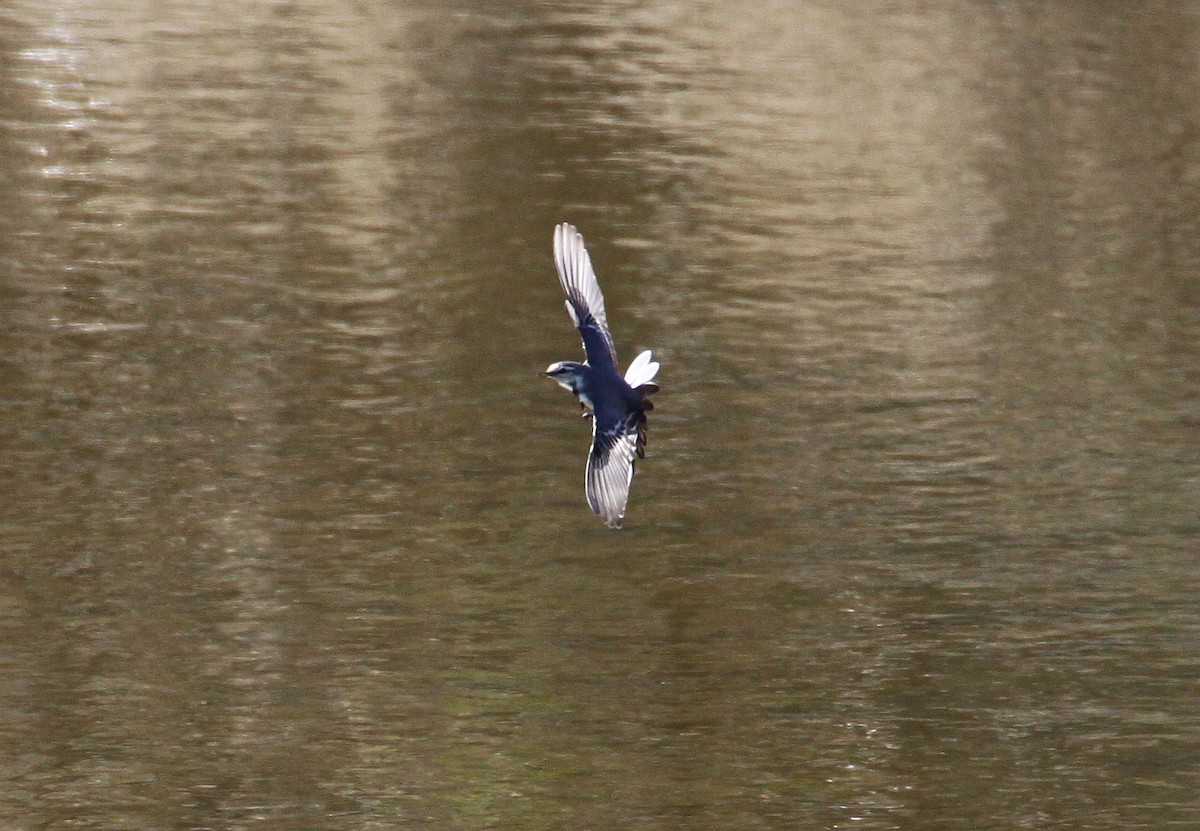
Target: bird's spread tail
{"points": [[645, 391], [641, 371]]}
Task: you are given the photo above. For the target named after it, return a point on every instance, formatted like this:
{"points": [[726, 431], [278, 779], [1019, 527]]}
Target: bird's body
{"points": [[617, 405]]}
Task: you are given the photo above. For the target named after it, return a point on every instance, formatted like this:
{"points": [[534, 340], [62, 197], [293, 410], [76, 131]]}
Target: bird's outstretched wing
{"points": [[615, 446], [585, 303]]}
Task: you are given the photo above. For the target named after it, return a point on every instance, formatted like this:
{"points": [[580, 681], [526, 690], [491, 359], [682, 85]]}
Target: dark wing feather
{"points": [[585, 303], [615, 446]]}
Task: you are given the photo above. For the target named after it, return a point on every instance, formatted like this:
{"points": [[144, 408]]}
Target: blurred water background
{"points": [[292, 535]]}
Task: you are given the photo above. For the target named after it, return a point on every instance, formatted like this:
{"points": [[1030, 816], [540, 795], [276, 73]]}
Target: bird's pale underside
{"points": [[617, 405]]}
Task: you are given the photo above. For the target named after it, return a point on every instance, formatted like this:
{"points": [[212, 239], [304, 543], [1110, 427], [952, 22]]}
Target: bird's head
{"points": [[565, 373]]}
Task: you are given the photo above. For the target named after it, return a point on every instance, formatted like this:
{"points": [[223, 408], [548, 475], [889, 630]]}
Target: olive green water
{"points": [[292, 535]]}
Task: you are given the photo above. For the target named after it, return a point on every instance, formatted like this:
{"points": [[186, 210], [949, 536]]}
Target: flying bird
{"points": [[616, 405]]}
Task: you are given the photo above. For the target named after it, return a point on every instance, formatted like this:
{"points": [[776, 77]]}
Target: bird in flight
{"points": [[617, 406]]}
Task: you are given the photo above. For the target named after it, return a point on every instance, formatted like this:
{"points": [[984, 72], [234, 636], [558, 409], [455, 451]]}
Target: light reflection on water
{"points": [[296, 536]]}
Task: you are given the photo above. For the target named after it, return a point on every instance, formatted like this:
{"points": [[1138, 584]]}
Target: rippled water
{"points": [[293, 536]]}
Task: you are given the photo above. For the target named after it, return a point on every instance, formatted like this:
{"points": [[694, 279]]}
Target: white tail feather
{"points": [[641, 371]]}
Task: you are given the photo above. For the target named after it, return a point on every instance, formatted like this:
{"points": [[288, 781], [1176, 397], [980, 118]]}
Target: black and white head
{"points": [[567, 374]]}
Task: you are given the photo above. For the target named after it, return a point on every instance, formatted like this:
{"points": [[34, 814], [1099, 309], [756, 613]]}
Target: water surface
{"points": [[293, 536]]}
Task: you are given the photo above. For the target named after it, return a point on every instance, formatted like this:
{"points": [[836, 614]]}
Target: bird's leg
{"points": [[586, 412]]}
